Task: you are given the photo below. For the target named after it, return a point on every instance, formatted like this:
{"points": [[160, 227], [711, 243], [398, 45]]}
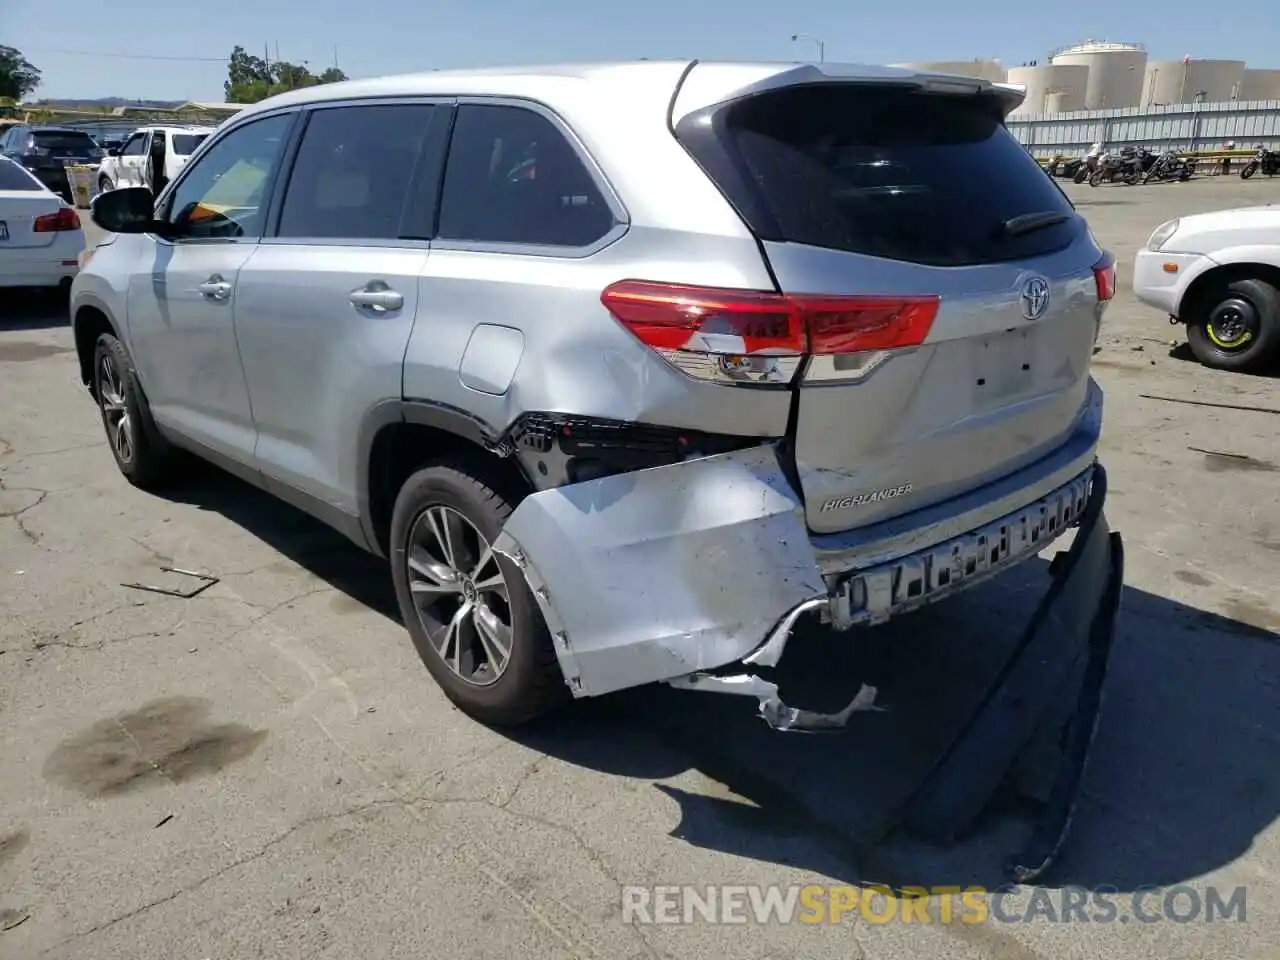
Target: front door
{"points": [[181, 311], [132, 156], [326, 306]]}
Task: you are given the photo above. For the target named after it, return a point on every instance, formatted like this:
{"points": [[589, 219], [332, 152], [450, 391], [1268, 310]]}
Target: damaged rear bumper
{"points": [[673, 573], [665, 574]]}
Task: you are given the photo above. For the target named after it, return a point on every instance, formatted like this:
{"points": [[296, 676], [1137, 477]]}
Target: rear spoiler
{"points": [[1013, 93], [721, 83]]}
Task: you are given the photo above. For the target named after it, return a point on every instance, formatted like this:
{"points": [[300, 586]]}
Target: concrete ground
{"points": [[266, 770]]}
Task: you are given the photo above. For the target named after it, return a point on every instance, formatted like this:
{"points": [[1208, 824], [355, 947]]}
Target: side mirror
{"points": [[113, 151], [127, 210]]}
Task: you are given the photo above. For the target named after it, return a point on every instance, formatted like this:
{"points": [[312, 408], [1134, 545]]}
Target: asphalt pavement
{"points": [[266, 770]]}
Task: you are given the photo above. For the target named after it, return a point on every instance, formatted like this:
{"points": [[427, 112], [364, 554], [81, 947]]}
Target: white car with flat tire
{"points": [[1219, 274], [41, 238]]}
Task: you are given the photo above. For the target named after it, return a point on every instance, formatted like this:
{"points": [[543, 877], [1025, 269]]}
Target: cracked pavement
{"points": [[266, 769]]}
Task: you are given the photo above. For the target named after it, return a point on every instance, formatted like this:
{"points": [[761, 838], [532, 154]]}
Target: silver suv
{"points": [[623, 367]]}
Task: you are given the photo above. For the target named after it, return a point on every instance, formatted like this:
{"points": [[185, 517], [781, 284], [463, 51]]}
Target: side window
{"points": [[354, 171], [512, 177], [222, 193], [134, 146]]}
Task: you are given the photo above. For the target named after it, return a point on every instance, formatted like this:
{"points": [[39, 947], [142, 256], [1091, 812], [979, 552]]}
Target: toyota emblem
{"points": [[1035, 298]]}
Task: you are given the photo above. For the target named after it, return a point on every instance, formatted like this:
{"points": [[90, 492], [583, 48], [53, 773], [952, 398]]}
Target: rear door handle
{"points": [[215, 288], [376, 296]]}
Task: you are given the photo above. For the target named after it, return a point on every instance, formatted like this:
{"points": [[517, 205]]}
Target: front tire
{"points": [[1236, 326], [1249, 170], [471, 616], [145, 458], [104, 185]]}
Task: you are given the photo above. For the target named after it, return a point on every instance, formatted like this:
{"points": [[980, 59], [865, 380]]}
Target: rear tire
{"points": [[143, 455], [1236, 326], [466, 501]]}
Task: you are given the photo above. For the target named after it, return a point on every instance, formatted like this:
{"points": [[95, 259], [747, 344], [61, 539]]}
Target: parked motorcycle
{"points": [[1268, 161], [1170, 165], [1125, 166], [1066, 167]]}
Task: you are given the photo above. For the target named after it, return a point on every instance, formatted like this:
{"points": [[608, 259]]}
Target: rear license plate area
{"points": [[1004, 365]]}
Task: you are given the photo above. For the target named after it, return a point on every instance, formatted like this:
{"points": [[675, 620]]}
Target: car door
{"points": [[327, 302], [181, 303], [129, 162]]}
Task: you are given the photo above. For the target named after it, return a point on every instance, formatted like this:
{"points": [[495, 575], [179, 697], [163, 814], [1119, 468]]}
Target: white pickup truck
{"points": [[162, 150]]}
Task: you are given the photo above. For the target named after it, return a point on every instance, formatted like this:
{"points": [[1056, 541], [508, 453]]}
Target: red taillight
{"points": [[65, 219], [748, 332], [1104, 273]]}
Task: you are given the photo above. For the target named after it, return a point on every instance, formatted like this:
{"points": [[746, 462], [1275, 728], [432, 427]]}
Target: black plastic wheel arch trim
{"points": [[424, 412]]}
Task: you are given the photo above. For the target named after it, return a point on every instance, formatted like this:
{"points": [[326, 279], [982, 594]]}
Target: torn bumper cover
{"points": [[1046, 697], [662, 573], [669, 573]]}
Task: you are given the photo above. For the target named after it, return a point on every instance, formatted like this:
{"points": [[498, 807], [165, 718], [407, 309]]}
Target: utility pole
{"points": [[822, 47]]}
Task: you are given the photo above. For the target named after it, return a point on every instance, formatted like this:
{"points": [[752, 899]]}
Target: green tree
{"points": [[250, 78], [18, 75]]}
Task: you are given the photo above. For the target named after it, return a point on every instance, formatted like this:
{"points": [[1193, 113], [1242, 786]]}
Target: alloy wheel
{"points": [[115, 412], [460, 595]]}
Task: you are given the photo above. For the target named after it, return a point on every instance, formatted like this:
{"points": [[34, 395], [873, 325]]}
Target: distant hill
{"points": [[108, 102]]}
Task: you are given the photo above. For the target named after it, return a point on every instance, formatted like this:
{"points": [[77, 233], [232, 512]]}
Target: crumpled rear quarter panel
{"points": [[658, 573]]}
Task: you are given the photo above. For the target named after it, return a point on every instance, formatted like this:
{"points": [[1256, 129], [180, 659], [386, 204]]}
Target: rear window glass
{"points": [[184, 144], [64, 140], [13, 177], [899, 174]]}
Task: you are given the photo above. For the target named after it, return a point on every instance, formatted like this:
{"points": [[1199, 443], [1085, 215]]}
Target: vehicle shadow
{"points": [[1181, 781], [22, 309], [1183, 353]]}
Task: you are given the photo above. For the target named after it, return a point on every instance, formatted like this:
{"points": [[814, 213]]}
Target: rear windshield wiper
{"points": [[1031, 222]]}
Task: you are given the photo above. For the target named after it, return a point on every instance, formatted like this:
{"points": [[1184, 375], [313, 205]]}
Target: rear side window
{"points": [[512, 177], [893, 173], [184, 144], [354, 172], [13, 177]]}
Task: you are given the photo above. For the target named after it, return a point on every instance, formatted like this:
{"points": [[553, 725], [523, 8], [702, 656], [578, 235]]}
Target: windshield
{"points": [[184, 144]]}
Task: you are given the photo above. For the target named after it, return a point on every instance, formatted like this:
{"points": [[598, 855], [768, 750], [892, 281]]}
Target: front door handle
{"points": [[376, 296], [215, 288]]}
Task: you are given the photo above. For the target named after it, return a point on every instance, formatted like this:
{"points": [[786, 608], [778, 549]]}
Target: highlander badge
{"points": [[888, 493]]}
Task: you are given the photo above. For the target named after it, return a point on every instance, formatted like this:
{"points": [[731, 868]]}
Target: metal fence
{"points": [[1184, 126]]}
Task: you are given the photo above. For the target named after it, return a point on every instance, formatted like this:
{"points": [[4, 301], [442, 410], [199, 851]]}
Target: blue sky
{"points": [[376, 37]]}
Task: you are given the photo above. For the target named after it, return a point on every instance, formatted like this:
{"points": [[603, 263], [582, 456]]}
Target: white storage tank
{"points": [[1260, 85], [1116, 71], [982, 69], [1179, 81], [1056, 102], [1051, 88]]}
